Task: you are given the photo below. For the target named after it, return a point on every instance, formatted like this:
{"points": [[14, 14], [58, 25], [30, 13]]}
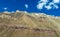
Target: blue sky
{"points": [[51, 7]]}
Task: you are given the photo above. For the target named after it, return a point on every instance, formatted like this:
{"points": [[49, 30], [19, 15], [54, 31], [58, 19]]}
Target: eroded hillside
{"points": [[21, 24]]}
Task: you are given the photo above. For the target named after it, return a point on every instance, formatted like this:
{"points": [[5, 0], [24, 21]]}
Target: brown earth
{"points": [[20, 24]]}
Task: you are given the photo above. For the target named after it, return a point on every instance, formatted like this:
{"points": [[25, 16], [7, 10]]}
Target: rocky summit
{"points": [[24, 24]]}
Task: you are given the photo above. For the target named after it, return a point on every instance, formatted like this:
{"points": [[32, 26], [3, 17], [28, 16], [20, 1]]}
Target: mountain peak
{"points": [[28, 23]]}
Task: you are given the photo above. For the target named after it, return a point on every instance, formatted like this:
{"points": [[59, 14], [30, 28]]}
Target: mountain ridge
{"points": [[23, 24]]}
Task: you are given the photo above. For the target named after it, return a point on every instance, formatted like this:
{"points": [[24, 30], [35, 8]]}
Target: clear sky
{"points": [[51, 7]]}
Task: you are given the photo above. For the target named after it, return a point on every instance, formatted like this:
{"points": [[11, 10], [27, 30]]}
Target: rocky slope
{"points": [[22, 24]]}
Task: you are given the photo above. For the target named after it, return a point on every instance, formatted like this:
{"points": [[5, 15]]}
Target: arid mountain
{"points": [[22, 24]]}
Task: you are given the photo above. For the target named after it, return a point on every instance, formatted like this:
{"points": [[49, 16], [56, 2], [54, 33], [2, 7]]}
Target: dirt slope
{"points": [[20, 24]]}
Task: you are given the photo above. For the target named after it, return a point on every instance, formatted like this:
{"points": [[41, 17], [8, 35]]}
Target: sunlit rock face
{"points": [[24, 24]]}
